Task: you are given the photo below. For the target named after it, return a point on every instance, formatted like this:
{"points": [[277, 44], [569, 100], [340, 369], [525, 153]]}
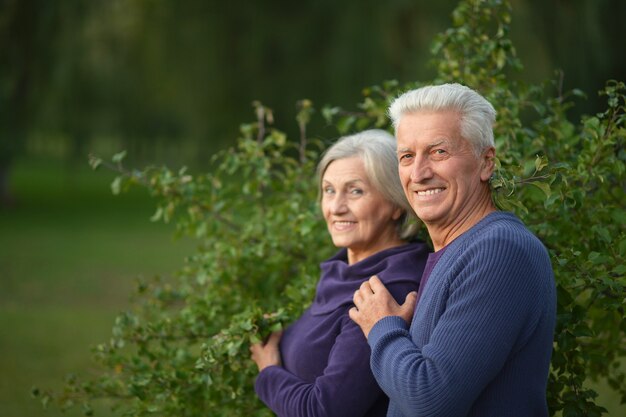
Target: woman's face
{"points": [[357, 215]]}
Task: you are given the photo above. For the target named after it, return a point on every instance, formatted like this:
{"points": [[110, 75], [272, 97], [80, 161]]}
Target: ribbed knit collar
{"points": [[470, 234]]}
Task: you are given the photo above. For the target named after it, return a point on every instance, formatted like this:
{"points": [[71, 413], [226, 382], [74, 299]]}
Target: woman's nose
{"points": [[338, 204]]}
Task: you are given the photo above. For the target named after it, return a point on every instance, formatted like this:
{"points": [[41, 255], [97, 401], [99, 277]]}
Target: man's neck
{"points": [[443, 235]]}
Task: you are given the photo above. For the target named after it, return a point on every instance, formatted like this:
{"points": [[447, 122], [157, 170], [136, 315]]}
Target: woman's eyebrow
{"points": [[348, 182], [354, 181]]}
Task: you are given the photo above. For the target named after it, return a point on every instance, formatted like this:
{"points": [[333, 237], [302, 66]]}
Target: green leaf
{"points": [[619, 216], [157, 215], [540, 163], [329, 113], [603, 232], [619, 270], [119, 157], [501, 58], [94, 162], [116, 185], [543, 186], [345, 124]]}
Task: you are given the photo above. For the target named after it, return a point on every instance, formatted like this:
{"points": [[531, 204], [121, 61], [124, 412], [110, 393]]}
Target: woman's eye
{"points": [[356, 191], [328, 190]]}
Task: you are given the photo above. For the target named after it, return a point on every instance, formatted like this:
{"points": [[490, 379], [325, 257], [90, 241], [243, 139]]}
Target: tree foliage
{"points": [[183, 349]]}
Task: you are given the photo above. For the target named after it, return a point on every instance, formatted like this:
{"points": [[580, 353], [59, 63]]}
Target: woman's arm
{"points": [[267, 354], [346, 388]]}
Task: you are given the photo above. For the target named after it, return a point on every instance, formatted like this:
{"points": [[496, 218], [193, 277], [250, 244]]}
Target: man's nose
{"points": [[421, 170]]}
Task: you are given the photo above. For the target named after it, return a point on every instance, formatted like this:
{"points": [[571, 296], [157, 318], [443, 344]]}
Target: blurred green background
{"points": [[171, 81]]}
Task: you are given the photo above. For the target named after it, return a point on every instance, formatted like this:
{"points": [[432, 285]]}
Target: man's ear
{"points": [[487, 163]]}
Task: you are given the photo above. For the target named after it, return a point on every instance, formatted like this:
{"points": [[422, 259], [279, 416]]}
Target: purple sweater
{"points": [[325, 356]]}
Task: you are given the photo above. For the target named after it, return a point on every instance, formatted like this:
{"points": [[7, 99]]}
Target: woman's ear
{"points": [[397, 213]]}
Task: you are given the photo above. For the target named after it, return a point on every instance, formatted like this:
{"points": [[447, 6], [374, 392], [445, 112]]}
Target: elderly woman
{"points": [[320, 365]]}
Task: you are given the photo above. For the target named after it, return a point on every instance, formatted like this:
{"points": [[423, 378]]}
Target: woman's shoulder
{"points": [[402, 272]]}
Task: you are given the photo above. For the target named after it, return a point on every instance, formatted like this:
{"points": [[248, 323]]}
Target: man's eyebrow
{"points": [[402, 150], [437, 143], [429, 146]]}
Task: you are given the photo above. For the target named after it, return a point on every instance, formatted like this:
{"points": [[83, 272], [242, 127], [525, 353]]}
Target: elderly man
{"points": [[480, 339]]}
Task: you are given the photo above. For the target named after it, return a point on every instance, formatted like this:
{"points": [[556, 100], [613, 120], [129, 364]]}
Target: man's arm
{"points": [[486, 309], [373, 302]]}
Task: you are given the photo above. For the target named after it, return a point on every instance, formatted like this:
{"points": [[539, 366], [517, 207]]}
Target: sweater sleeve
{"points": [[346, 387], [493, 302]]}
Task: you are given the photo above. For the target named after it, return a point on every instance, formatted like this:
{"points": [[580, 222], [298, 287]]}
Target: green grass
{"points": [[69, 255]]}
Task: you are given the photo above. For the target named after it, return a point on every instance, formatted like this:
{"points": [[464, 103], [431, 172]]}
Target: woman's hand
{"points": [[267, 354]]}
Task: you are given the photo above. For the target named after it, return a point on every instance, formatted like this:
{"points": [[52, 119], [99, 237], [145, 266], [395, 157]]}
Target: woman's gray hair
{"points": [[377, 150], [476, 113]]}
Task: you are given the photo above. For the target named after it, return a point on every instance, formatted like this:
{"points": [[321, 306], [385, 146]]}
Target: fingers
{"points": [[357, 298], [353, 313], [274, 338], [366, 288], [369, 288], [272, 341], [376, 285], [360, 319], [255, 349], [410, 301], [408, 307]]}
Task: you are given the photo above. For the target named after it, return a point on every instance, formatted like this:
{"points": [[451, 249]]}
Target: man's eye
{"points": [[439, 153], [405, 157]]}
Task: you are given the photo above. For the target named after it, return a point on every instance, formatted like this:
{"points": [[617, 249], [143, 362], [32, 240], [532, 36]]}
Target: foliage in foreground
{"points": [[183, 349]]}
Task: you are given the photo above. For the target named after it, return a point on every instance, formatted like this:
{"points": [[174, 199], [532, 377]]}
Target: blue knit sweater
{"points": [[481, 338]]}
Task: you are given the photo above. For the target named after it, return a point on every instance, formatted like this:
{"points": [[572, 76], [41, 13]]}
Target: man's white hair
{"points": [[477, 115]]}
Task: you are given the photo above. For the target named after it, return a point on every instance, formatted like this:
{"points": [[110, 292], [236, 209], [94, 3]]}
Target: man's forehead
{"points": [[413, 142]]}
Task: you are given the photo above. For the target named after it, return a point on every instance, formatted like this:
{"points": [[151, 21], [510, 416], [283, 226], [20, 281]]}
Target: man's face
{"points": [[444, 180]]}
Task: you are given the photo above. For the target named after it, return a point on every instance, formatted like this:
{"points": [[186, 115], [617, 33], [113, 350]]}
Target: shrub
{"points": [[183, 349]]}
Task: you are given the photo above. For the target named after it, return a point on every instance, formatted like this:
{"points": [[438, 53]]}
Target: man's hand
{"points": [[373, 302], [267, 354]]}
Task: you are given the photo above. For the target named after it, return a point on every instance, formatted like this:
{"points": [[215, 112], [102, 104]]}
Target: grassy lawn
{"points": [[69, 254]]}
